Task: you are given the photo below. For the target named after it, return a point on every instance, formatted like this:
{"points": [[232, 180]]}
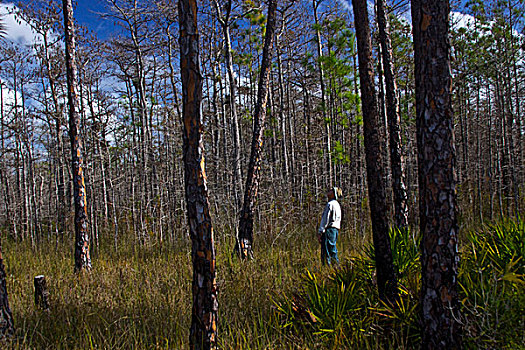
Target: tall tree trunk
{"points": [[203, 331], [18, 192], [216, 118], [60, 186], [282, 117], [31, 181], [324, 105], [292, 126], [245, 237], [7, 328], [82, 259], [224, 21], [491, 157], [57, 115], [386, 275], [4, 177], [479, 156], [393, 117], [436, 162]]}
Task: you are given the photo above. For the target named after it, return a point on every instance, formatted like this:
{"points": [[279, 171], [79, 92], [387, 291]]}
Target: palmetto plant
{"points": [[492, 282], [334, 309], [342, 309], [328, 306], [500, 247], [403, 314], [405, 252]]}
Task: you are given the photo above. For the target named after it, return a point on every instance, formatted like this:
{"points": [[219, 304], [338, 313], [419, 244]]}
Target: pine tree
{"points": [[244, 245], [436, 162], [386, 276], [393, 117], [203, 331], [82, 259]]}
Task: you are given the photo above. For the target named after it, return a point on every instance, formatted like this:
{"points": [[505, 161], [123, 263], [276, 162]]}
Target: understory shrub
{"points": [[342, 309], [492, 285]]}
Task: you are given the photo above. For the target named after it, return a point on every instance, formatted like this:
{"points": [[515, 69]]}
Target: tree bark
{"points": [[82, 259], [436, 162], [393, 117], [386, 275], [203, 331], [244, 243], [41, 292]]}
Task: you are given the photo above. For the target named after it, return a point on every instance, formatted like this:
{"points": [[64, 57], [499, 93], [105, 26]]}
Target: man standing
{"points": [[330, 225]]}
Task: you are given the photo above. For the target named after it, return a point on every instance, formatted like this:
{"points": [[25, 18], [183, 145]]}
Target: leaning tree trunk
{"points": [[392, 112], [82, 259], [436, 161], [386, 276], [7, 328], [245, 237], [203, 331]]}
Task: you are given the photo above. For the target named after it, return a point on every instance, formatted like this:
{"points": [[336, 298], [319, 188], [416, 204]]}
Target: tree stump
{"points": [[41, 292]]}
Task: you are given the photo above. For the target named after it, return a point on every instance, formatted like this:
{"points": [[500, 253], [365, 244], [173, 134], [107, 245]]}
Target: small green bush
{"points": [[342, 310], [492, 286]]}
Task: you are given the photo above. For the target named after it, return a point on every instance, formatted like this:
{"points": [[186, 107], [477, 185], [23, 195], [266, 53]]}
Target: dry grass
{"points": [[139, 296]]}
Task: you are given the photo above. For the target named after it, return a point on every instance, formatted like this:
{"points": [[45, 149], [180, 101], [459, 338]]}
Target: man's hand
{"points": [[319, 237]]}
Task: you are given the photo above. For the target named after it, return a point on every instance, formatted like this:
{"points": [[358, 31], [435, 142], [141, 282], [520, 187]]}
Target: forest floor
{"points": [[139, 296]]}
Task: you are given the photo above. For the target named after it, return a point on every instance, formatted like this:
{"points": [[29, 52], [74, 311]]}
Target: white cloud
{"points": [[346, 5], [8, 97], [17, 30], [461, 20]]}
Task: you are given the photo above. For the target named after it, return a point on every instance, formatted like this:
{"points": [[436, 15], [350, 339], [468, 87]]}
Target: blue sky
{"points": [[86, 13]]}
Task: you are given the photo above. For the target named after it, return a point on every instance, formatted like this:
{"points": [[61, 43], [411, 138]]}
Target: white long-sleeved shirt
{"points": [[331, 216]]}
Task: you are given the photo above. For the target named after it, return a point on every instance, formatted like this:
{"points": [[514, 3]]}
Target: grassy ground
{"points": [[138, 297]]}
